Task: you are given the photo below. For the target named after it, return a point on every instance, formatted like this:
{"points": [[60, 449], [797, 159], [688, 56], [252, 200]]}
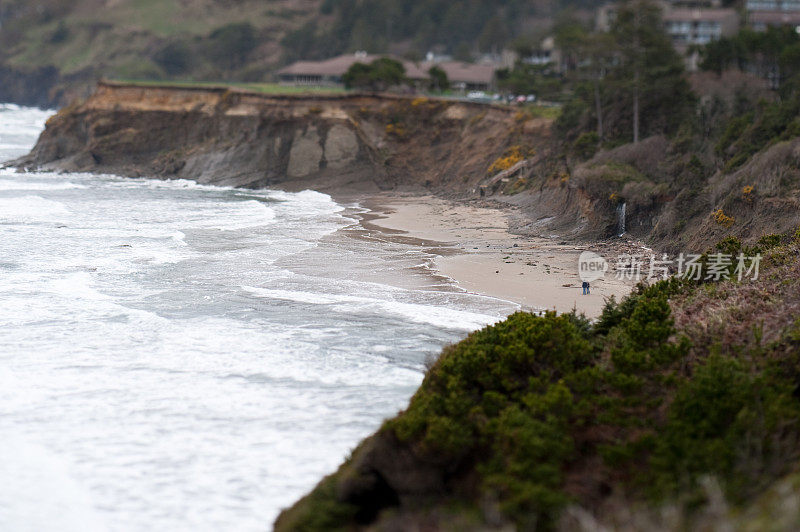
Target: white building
{"points": [[762, 14], [688, 23], [688, 26]]}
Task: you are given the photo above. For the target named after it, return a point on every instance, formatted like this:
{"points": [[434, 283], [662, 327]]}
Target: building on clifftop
{"points": [[329, 72]]}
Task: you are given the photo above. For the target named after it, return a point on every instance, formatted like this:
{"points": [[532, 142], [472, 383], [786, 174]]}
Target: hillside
{"points": [[64, 47], [678, 409], [52, 50]]}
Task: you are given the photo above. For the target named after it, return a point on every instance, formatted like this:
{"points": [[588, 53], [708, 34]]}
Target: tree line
{"points": [[457, 27]]}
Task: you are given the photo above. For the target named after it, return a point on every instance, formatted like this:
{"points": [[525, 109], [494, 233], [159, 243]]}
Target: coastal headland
{"points": [[226, 136], [428, 165]]}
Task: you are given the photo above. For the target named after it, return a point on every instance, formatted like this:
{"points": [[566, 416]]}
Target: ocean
{"points": [[183, 357]]}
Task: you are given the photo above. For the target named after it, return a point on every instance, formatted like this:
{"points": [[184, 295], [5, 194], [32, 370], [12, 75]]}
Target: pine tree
{"points": [[650, 69]]}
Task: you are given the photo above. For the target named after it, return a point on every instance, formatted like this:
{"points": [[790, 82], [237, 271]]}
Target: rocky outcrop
{"points": [[352, 142]]}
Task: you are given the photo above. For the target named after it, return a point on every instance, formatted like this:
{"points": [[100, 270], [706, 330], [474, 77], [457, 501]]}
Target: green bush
{"points": [[228, 46], [381, 74], [438, 79], [585, 146], [174, 57], [512, 394], [516, 411]]}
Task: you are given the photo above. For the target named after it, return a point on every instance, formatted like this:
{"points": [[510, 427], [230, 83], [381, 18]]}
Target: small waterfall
{"points": [[621, 208]]}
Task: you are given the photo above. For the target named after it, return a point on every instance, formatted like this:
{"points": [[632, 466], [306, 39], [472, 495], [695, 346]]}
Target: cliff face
{"points": [[355, 143], [362, 143], [224, 137]]}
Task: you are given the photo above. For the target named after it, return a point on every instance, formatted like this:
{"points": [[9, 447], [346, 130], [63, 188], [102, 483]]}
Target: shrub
{"points": [[60, 34], [747, 193], [510, 157], [718, 419], [585, 146], [396, 130], [722, 219], [438, 79], [175, 58], [766, 243], [381, 74], [229, 45]]}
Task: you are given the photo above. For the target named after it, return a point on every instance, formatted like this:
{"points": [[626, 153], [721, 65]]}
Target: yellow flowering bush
{"points": [[722, 219], [396, 130], [510, 157]]}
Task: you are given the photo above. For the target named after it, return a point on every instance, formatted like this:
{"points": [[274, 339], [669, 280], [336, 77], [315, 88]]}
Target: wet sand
{"points": [[480, 254]]}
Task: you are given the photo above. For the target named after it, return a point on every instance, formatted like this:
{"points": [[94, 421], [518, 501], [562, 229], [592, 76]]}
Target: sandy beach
{"points": [[483, 257]]}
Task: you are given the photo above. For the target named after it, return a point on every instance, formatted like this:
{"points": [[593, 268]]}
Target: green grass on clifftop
{"points": [[679, 383], [264, 88]]}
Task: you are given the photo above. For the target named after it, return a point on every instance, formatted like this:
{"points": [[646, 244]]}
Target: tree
{"points": [[773, 54], [599, 51], [650, 68], [379, 75], [626, 84], [494, 34], [230, 45], [175, 58], [570, 37], [530, 79], [438, 79], [358, 76]]}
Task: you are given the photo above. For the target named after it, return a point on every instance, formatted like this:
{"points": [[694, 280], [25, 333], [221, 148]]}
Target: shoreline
{"points": [[475, 249]]}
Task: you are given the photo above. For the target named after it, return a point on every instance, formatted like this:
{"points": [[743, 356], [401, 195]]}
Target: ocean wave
{"points": [[232, 216], [6, 185], [438, 316]]}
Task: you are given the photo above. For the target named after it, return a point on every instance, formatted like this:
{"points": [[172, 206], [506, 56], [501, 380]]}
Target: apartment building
{"points": [[762, 14]]}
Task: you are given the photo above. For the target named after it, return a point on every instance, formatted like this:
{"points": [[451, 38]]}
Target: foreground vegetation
{"points": [[679, 388]]}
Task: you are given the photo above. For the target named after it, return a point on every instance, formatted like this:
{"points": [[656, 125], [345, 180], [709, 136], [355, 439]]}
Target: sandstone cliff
{"points": [[346, 144], [358, 142]]}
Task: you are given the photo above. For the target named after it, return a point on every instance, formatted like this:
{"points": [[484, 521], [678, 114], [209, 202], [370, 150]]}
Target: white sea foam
{"points": [[31, 208], [141, 388], [433, 315], [46, 497], [37, 186]]}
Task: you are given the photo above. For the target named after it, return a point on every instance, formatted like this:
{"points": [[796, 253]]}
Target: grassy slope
{"points": [[677, 384], [120, 37]]}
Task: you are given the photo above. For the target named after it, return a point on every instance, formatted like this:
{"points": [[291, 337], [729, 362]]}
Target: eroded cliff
{"points": [[354, 142]]}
